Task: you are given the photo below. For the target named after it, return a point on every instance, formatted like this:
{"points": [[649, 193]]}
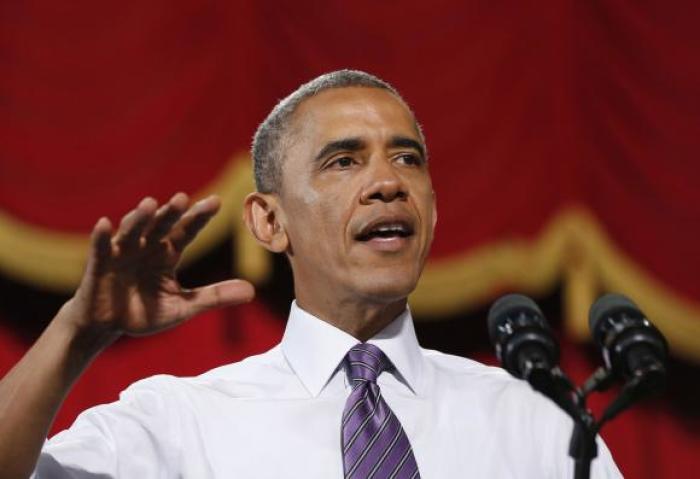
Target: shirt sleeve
{"points": [[603, 466], [137, 436], [556, 428]]}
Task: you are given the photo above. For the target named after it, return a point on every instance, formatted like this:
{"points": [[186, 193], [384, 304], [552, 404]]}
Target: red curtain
{"points": [[529, 108]]}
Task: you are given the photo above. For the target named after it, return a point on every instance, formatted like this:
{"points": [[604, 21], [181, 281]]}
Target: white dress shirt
{"points": [[277, 415]]}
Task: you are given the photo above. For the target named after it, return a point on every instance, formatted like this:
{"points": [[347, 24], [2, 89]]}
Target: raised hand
{"points": [[129, 286]]}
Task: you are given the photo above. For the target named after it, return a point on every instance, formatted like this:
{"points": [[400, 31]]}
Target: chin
{"points": [[387, 288]]}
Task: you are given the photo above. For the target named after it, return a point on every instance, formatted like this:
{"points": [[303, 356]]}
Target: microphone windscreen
{"points": [[606, 306], [507, 305]]}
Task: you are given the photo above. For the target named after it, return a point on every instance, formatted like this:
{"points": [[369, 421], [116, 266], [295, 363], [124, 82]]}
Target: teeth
{"points": [[386, 230]]}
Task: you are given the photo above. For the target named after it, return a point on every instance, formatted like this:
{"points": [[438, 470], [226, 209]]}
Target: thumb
{"points": [[218, 295]]}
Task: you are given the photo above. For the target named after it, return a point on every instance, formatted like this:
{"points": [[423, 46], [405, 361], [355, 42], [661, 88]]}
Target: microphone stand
{"points": [[583, 447], [554, 384]]}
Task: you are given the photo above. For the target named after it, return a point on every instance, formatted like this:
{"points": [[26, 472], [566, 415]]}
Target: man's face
{"points": [[357, 201]]}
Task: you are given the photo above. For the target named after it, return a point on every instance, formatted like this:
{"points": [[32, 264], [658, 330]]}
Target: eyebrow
{"points": [[344, 144], [405, 142], [356, 144]]}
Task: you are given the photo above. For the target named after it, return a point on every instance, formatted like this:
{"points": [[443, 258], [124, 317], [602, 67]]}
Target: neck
{"points": [[360, 319]]}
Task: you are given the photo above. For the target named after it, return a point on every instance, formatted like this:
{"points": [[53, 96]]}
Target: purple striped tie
{"points": [[375, 445]]}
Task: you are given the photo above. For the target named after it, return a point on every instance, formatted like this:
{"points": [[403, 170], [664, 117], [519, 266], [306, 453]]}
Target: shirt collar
{"points": [[314, 348]]}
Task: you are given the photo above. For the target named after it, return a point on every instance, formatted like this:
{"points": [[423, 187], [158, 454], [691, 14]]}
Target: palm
{"points": [[129, 285], [139, 294]]}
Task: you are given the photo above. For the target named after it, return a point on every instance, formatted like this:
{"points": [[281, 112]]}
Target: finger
{"points": [[100, 245], [218, 295], [133, 224], [166, 216], [193, 221]]}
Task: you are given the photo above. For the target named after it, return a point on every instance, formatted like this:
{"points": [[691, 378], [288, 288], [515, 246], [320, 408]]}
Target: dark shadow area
{"points": [[278, 292], [216, 265], [683, 390], [27, 310], [466, 334]]}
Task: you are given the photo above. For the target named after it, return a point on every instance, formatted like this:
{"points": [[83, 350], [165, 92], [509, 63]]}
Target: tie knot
{"points": [[366, 362]]}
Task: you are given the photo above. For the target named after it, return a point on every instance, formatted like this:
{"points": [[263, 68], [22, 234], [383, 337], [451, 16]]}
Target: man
{"points": [[343, 190]]}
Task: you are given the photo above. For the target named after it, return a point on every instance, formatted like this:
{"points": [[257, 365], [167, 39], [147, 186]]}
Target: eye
{"points": [[342, 162], [411, 159]]}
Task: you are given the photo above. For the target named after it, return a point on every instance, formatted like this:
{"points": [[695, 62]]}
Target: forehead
{"points": [[352, 112]]}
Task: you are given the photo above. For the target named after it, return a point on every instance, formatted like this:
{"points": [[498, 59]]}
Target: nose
{"points": [[384, 184]]}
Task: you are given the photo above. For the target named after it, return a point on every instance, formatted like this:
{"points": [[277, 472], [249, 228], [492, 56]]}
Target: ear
{"points": [[261, 214]]}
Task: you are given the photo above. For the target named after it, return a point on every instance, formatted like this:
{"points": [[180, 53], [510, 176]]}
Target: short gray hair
{"points": [[267, 149]]}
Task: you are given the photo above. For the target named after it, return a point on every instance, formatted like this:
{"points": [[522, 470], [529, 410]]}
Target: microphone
{"points": [[526, 348], [633, 349], [524, 343]]}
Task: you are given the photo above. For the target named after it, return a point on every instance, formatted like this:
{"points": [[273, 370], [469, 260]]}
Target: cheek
{"points": [[310, 197], [425, 200], [317, 227], [333, 205]]}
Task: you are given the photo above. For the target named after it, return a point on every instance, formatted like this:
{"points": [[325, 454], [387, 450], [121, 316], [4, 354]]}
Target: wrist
{"points": [[83, 338]]}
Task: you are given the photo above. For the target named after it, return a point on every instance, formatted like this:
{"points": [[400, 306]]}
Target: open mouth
{"points": [[385, 230]]}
